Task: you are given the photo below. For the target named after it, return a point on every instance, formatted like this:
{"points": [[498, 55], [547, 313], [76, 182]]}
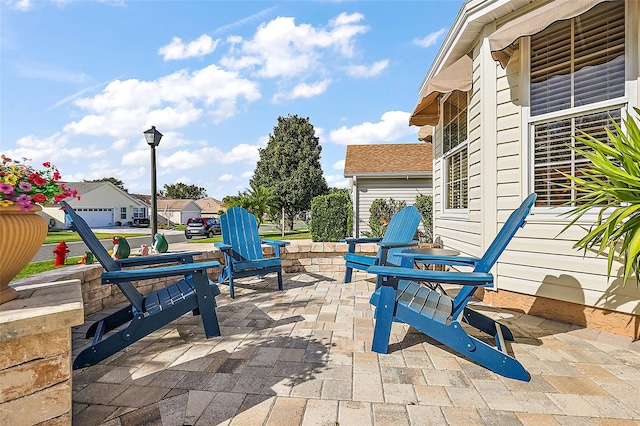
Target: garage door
{"points": [[98, 217]]}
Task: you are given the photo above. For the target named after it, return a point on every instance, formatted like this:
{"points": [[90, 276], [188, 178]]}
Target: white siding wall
{"points": [[399, 189], [538, 261]]}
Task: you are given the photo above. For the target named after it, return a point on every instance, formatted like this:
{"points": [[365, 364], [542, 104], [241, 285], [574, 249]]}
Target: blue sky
{"points": [[81, 80]]}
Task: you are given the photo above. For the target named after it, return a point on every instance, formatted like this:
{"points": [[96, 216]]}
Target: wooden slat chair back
{"points": [[397, 237], [193, 291], [242, 248], [415, 297]]}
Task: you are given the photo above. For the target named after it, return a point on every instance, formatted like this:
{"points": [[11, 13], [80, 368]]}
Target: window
{"points": [[577, 72], [123, 212], [454, 147], [139, 213]]}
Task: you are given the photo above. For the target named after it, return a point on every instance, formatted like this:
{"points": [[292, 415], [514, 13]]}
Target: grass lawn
{"points": [[44, 266], [71, 236]]}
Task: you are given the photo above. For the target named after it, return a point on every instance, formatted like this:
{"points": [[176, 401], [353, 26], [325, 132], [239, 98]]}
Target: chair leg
{"points": [[111, 322], [384, 320], [280, 286], [206, 304], [485, 324], [347, 275], [456, 338], [231, 292]]}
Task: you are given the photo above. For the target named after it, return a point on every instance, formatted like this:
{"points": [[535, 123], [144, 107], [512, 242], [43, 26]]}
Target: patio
{"points": [[303, 356]]}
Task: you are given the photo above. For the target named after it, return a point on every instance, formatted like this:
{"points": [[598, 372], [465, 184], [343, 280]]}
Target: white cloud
{"points": [[22, 5], [54, 148], [197, 48], [337, 181], [430, 39], [392, 126], [338, 165], [304, 90], [280, 48], [169, 102], [227, 177], [247, 174], [364, 71]]}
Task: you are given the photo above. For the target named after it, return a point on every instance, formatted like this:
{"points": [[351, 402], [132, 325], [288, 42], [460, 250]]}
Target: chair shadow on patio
{"points": [[177, 376]]}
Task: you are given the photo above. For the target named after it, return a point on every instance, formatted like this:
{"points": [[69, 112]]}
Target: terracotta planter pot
{"points": [[22, 236]]}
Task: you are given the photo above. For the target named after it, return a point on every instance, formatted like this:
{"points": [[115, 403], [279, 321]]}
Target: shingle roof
{"points": [[209, 204], [170, 204], [410, 158], [84, 187], [164, 203]]}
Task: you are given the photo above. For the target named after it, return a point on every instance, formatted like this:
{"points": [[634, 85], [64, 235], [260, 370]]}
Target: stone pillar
{"points": [[35, 353]]}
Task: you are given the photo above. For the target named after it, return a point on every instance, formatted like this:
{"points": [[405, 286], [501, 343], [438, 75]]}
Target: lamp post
{"points": [[153, 139]]}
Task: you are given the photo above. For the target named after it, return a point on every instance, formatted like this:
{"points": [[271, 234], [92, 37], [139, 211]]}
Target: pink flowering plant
{"points": [[24, 185]]}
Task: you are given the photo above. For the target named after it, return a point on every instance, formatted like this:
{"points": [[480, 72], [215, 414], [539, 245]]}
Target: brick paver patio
{"points": [[303, 357]]}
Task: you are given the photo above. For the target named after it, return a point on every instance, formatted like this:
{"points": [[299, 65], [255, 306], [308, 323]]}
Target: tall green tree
{"points": [[116, 182], [181, 191], [290, 166]]}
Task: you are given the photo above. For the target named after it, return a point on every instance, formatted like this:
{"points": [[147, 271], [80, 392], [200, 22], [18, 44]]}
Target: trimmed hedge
{"points": [[331, 217], [424, 204], [381, 211]]}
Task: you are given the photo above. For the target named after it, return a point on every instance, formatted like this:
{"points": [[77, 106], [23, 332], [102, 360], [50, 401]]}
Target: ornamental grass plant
{"points": [[611, 184]]}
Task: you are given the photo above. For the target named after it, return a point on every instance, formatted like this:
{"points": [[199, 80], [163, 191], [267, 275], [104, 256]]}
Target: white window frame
{"points": [[555, 213], [446, 156], [123, 213], [139, 213]]}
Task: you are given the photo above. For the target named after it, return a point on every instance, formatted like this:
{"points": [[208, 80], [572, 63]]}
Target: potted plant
{"points": [[611, 183], [22, 189]]}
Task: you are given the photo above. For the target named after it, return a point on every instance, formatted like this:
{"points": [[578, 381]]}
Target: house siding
{"points": [[539, 261], [400, 189]]}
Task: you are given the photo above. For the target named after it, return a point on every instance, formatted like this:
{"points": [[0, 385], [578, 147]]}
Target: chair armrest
{"points": [[361, 240], [223, 246], [460, 278], [115, 277], [353, 241], [275, 243], [184, 257], [398, 244]]}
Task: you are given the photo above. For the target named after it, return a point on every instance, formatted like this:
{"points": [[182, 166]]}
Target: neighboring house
{"points": [[210, 207], [101, 204], [400, 171], [172, 211], [510, 85]]}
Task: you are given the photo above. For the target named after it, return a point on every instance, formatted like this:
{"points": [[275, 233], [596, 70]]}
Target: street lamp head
{"points": [[152, 136]]}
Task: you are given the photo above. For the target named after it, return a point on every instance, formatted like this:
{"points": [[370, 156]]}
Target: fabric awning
{"points": [[457, 76], [502, 40], [425, 134]]}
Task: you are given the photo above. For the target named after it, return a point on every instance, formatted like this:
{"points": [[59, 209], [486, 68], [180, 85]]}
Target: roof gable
{"points": [[389, 159]]}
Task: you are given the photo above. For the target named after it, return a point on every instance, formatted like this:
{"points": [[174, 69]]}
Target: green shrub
{"points": [[381, 211], [424, 204], [331, 217]]}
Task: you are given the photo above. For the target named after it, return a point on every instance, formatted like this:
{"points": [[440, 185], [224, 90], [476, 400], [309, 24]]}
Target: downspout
{"points": [[356, 208]]}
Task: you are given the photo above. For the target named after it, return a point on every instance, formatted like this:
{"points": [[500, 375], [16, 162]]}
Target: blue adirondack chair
{"points": [[145, 313], [398, 235], [399, 297], [243, 250]]}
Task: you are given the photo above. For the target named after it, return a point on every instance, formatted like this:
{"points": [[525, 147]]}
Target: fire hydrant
{"points": [[61, 252]]}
